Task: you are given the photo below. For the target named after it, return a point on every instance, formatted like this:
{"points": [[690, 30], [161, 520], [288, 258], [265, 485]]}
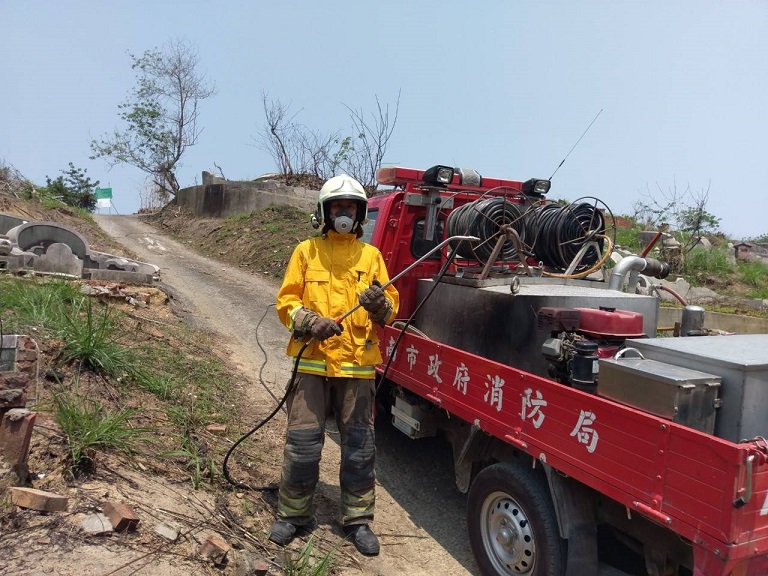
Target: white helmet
{"points": [[343, 187]]}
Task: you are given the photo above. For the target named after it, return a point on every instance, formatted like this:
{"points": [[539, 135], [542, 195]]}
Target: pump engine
{"points": [[579, 337]]}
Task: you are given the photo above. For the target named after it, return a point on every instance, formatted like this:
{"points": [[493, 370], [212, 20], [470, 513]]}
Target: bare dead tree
{"points": [[299, 152], [14, 182], [369, 146], [152, 198], [278, 133], [317, 156]]}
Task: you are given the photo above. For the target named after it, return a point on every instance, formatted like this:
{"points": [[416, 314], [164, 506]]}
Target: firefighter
{"points": [[325, 278]]}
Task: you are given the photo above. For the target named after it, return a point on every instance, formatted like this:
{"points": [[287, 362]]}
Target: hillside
{"points": [[134, 407], [260, 241]]}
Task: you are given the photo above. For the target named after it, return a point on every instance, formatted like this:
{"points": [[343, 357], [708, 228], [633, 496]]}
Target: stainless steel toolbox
{"points": [[683, 395], [740, 360]]}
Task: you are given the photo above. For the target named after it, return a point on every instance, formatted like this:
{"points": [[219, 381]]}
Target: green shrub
{"points": [[91, 339], [754, 273], [89, 427], [73, 188], [37, 303], [707, 261], [307, 564], [629, 239], [627, 232]]}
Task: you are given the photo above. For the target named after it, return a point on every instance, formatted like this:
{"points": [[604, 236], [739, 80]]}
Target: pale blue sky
{"points": [[504, 87]]}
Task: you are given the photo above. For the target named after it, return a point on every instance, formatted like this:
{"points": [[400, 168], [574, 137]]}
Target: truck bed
{"points": [[610, 447]]}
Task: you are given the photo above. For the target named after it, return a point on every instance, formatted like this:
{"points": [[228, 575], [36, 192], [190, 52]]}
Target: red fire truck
{"points": [[575, 429]]}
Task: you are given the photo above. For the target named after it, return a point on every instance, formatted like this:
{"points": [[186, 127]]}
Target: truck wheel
{"points": [[512, 524]]}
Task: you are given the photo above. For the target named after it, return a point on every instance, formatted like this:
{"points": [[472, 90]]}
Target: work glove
{"points": [[375, 303], [323, 328], [373, 299]]}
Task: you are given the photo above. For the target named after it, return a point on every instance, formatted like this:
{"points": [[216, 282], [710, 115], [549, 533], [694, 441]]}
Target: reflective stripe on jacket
{"points": [[326, 275]]}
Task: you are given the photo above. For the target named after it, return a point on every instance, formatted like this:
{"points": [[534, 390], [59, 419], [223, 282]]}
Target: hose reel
{"points": [[554, 234], [487, 219], [557, 233]]}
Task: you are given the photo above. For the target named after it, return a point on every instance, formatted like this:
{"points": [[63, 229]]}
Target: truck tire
{"points": [[512, 524]]}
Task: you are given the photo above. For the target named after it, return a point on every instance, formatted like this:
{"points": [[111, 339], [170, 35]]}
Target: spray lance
{"points": [[294, 372], [412, 266]]}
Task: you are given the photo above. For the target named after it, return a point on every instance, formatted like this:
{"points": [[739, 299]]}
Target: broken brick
{"points": [[15, 434], [121, 516], [11, 380], [14, 398], [38, 499], [214, 548], [216, 428], [261, 568]]}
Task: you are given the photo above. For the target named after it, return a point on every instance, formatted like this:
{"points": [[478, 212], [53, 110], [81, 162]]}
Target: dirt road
{"points": [[420, 513]]}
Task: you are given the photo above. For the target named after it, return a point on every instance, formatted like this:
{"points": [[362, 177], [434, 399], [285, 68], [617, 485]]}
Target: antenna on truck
{"points": [[577, 143]]}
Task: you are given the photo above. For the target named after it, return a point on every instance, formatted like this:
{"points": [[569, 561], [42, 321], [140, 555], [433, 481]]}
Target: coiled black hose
{"points": [[557, 233], [485, 219], [551, 233]]}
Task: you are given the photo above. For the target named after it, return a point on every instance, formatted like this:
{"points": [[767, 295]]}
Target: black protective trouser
{"points": [[351, 401]]}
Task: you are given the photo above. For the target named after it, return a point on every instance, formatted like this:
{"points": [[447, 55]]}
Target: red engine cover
{"points": [[610, 323]]}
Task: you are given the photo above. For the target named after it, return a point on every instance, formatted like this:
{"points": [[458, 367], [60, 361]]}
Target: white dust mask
{"points": [[343, 224]]}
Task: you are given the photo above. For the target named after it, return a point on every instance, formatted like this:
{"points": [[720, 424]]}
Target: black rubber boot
{"points": [[282, 532], [363, 538]]}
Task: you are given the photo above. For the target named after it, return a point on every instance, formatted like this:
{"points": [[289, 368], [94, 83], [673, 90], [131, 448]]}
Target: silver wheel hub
{"points": [[507, 535]]}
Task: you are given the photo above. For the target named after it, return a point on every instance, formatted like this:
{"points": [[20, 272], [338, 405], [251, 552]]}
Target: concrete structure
{"points": [[8, 221], [737, 323], [219, 198], [51, 248], [5, 246], [748, 252], [59, 259], [36, 236], [743, 251]]}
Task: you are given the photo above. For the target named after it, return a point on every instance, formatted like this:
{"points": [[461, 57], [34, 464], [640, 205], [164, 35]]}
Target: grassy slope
{"points": [[259, 241], [108, 369]]}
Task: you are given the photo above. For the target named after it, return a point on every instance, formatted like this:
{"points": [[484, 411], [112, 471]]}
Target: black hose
{"points": [[484, 219], [289, 389], [559, 232], [294, 372], [550, 233]]}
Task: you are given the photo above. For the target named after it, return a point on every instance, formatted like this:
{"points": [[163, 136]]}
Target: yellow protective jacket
{"points": [[326, 275]]}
